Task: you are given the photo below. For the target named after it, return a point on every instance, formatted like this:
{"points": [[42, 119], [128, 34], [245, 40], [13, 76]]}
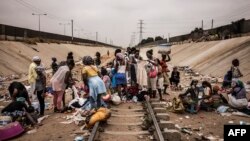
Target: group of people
{"points": [[208, 97], [122, 76]]}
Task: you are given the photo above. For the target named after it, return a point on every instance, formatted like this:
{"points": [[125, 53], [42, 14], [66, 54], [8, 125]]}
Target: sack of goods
{"points": [[164, 51], [102, 114]]}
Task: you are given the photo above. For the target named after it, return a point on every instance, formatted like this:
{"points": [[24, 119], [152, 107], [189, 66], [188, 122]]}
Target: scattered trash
{"points": [[79, 138], [181, 118], [187, 117], [211, 138], [222, 109], [32, 131], [244, 123], [140, 137], [199, 134], [231, 122], [39, 120], [4, 120], [66, 122], [240, 114], [135, 99], [116, 99], [184, 129], [225, 114]]}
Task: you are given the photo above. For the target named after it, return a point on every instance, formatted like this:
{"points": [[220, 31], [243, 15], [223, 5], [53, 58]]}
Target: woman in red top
{"points": [[165, 70]]}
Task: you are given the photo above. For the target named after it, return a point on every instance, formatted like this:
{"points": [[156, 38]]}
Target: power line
{"points": [[38, 10]]}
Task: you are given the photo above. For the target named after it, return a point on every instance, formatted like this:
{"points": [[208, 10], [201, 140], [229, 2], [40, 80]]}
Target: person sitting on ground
{"points": [[59, 82], [227, 80], [214, 101], [40, 88], [91, 79], [54, 65], [237, 97], [17, 90], [236, 73], [175, 78], [190, 97], [207, 87], [18, 109]]}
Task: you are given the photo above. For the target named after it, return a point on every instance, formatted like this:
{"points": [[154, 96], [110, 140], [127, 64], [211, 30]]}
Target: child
{"points": [[106, 79], [40, 88], [175, 78], [54, 65]]}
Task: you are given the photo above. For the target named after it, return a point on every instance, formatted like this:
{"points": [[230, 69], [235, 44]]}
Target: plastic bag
{"points": [[116, 99]]}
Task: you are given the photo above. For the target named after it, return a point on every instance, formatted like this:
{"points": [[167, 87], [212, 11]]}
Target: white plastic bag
{"points": [[116, 99]]}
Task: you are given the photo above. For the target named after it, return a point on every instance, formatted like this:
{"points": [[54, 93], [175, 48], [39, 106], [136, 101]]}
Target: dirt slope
{"points": [[212, 58], [15, 57]]}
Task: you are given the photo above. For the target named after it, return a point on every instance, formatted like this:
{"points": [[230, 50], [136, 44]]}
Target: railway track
{"points": [[127, 123]]}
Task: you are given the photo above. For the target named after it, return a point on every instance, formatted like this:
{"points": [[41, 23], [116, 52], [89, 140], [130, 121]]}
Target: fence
{"points": [[16, 33]]}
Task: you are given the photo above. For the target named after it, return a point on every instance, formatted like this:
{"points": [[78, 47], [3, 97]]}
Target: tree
{"points": [[149, 40], [158, 38]]}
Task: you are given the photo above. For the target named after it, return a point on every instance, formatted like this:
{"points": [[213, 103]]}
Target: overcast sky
{"points": [[118, 19]]}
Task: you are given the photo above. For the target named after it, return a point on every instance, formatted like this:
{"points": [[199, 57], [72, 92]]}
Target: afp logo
{"points": [[233, 132]]}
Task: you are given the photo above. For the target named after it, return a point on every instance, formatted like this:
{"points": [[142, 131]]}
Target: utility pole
{"points": [[72, 30], [39, 15], [212, 26], [141, 27], [202, 24]]}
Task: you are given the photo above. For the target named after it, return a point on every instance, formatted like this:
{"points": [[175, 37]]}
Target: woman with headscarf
{"points": [[120, 69], [90, 77], [152, 71], [59, 81], [237, 97]]}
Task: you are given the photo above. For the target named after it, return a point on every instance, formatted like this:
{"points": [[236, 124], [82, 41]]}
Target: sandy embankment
{"points": [[15, 57], [214, 57]]}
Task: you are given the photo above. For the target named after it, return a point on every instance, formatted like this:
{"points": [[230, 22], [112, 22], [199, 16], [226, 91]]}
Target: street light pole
{"points": [[39, 14]]}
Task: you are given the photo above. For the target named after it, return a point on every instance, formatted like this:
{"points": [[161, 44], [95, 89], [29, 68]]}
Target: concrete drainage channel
{"points": [[127, 122]]}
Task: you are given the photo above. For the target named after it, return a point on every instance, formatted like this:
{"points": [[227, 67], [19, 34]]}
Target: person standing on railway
{"points": [[152, 71], [165, 58], [91, 79], [120, 68], [160, 80], [32, 75], [59, 81]]}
